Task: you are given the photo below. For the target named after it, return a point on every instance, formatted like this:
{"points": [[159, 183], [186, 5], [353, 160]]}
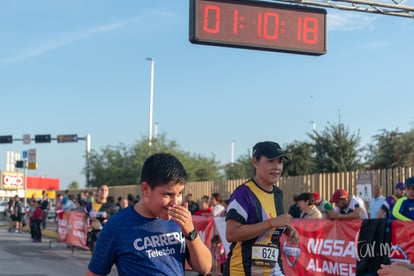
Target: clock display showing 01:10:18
{"points": [[275, 27], [267, 25]]}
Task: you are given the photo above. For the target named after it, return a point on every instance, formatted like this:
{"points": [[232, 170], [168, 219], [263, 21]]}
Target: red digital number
{"points": [[235, 21], [216, 11], [308, 31], [268, 18]]}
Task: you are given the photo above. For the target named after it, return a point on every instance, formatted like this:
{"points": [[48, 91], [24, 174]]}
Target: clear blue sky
{"points": [[78, 67]]}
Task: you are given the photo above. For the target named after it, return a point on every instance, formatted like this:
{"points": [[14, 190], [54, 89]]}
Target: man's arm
{"points": [[292, 234], [381, 213], [396, 210], [356, 214], [235, 231], [89, 273], [398, 268], [200, 256]]}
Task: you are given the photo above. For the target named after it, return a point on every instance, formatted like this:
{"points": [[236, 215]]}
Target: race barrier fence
{"points": [[326, 247], [342, 247], [71, 229]]}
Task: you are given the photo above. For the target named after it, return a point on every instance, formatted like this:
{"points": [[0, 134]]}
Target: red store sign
{"points": [[12, 181]]}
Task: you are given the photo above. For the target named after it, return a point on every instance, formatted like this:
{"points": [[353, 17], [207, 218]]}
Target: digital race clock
{"points": [[258, 25]]}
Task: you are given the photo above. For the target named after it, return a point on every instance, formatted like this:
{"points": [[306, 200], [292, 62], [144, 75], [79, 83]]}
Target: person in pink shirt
{"points": [[37, 220]]}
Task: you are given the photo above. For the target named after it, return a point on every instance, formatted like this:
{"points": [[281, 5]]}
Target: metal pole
{"points": [[88, 153], [313, 129], [156, 130], [25, 183], [232, 152], [151, 101]]}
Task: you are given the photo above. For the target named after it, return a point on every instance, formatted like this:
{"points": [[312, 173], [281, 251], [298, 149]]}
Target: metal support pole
{"points": [[88, 156], [151, 102], [25, 183]]}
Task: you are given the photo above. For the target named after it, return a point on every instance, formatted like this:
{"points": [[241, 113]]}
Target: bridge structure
{"points": [[390, 7]]}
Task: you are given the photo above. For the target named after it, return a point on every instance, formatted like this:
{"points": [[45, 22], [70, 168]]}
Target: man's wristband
{"points": [[270, 224]]}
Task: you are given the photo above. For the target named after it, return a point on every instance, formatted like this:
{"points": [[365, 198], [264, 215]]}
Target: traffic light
{"points": [[44, 138], [66, 138], [7, 139], [19, 164]]}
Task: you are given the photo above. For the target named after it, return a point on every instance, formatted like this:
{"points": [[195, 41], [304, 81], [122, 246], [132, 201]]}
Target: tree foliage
{"points": [[241, 169], [391, 149], [336, 149], [121, 165], [73, 185], [301, 161]]}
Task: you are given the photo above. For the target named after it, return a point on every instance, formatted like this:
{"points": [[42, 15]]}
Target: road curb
{"points": [[45, 232]]}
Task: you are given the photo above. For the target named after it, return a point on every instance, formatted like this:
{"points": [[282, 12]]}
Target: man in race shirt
{"points": [[347, 208], [255, 218]]}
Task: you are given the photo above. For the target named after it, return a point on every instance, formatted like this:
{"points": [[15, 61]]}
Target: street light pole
{"points": [[25, 183], [232, 152], [313, 131], [151, 101], [88, 158]]}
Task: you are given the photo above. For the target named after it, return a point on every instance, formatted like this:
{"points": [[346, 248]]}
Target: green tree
{"points": [[391, 149], [114, 166], [301, 161], [241, 169], [73, 185], [200, 168], [336, 149], [121, 165], [405, 150]]}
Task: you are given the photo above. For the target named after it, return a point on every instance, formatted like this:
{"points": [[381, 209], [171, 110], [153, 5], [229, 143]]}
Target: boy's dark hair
{"points": [[161, 168], [307, 196], [217, 197]]}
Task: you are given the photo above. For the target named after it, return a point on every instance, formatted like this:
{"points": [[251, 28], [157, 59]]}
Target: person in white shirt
{"points": [[347, 208], [376, 202], [69, 205], [216, 202]]}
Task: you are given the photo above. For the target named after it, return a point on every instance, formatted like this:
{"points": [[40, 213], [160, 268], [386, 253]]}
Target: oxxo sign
{"points": [[12, 181]]}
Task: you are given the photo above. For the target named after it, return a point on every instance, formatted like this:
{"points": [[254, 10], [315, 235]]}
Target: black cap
{"points": [[409, 181], [269, 149]]}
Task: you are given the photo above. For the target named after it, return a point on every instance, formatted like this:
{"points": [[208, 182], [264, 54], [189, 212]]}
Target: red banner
{"points": [[402, 233], [326, 247], [205, 229], [71, 229], [330, 247]]}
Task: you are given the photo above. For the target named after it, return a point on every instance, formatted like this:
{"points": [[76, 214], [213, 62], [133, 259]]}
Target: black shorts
{"points": [[16, 218]]}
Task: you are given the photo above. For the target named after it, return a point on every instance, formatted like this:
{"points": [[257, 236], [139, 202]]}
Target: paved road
{"points": [[19, 256]]}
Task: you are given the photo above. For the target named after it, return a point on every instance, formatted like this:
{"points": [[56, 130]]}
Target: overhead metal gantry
{"points": [[394, 8]]}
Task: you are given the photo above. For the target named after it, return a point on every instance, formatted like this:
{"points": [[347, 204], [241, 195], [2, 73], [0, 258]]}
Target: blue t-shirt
{"points": [[139, 246], [404, 209]]}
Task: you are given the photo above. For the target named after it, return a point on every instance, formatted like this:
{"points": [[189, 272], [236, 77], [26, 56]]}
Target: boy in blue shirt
{"points": [[155, 235]]}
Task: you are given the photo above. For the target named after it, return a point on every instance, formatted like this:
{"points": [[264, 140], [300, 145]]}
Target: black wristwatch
{"points": [[192, 235]]}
